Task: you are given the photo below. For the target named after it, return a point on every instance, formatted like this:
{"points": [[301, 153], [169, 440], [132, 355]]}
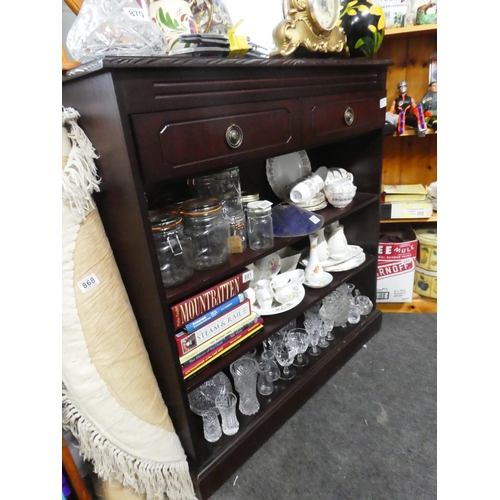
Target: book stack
{"points": [[213, 322], [405, 201]]}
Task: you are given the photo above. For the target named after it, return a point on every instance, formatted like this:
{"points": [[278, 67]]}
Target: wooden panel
{"points": [[391, 172], [420, 50], [165, 140]]}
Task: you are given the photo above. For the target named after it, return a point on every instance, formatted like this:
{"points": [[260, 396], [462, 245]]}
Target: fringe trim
{"points": [[79, 175], [152, 478]]}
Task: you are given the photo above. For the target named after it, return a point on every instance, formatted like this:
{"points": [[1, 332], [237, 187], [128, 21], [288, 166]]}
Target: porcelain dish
{"points": [[347, 265], [280, 308], [284, 171], [326, 280]]}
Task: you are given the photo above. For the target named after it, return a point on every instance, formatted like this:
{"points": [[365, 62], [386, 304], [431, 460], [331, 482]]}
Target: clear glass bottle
{"points": [[209, 231], [260, 225], [173, 247]]}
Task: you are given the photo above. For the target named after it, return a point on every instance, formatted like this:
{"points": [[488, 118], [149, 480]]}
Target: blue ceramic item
{"points": [[290, 220]]}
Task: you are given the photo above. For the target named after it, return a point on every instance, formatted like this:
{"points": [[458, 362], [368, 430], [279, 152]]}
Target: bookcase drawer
{"points": [[186, 142], [333, 117]]}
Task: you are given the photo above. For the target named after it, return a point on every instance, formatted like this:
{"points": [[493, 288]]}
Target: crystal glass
{"points": [[363, 302], [275, 370], [284, 354], [275, 337], [323, 332], [314, 350], [244, 372], [299, 338], [265, 384], [226, 404], [354, 315], [327, 315], [211, 426]]}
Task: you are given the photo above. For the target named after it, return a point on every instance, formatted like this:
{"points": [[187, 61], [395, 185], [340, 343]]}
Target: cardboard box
{"points": [[406, 210], [396, 266]]}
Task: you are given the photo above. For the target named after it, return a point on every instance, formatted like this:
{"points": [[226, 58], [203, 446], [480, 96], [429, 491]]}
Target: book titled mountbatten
{"points": [[192, 308]]}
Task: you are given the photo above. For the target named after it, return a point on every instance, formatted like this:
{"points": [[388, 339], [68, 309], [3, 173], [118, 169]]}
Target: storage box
{"points": [[426, 283], [396, 266], [426, 263], [406, 210]]}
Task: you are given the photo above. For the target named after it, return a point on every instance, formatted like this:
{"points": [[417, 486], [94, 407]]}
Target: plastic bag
{"points": [[114, 27]]}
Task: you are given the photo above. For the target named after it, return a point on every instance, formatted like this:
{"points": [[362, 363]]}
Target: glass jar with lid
{"points": [[260, 225], [209, 231], [173, 247]]}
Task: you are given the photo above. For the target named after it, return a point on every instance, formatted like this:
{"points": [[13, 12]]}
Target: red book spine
{"points": [[221, 350], [195, 306]]}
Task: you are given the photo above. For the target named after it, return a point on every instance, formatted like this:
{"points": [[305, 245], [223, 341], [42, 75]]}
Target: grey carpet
{"points": [[368, 434]]}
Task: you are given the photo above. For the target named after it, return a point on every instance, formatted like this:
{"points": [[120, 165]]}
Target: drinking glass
{"points": [[363, 302], [244, 372], [314, 350], [275, 370], [299, 338], [265, 384], [211, 426], [284, 354], [226, 404]]}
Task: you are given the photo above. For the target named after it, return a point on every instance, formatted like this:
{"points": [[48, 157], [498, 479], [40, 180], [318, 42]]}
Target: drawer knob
{"points": [[349, 116], [234, 136]]}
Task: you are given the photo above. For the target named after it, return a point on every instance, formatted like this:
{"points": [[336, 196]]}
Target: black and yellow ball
{"points": [[364, 25]]}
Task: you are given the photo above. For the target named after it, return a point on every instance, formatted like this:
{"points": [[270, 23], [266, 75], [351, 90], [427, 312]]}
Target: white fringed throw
{"points": [[111, 401]]}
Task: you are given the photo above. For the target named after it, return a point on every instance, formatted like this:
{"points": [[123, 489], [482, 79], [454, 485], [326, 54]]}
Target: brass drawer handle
{"points": [[349, 116], [234, 136]]}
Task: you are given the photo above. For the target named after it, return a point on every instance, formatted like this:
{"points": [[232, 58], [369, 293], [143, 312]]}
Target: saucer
{"points": [[281, 307], [347, 265], [328, 278]]}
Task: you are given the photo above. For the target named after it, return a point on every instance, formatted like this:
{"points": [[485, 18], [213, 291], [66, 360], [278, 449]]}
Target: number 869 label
{"points": [[88, 283]]}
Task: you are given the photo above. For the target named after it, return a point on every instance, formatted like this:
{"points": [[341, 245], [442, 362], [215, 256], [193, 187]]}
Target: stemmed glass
{"points": [[284, 354], [299, 338], [314, 350]]}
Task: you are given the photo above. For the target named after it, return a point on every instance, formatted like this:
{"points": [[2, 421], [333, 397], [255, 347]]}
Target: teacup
{"points": [[288, 286]]}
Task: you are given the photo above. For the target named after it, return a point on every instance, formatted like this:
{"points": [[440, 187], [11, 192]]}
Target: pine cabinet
{"points": [[156, 121]]}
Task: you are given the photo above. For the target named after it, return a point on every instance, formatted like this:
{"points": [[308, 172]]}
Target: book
{"points": [[193, 307], [403, 192], [221, 351], [186, 342], [214, 313], [406, 210], [252, 322], [212, 341]]}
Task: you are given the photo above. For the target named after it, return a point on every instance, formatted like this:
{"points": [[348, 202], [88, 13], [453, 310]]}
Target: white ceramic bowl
{"points": [[341, 200]]}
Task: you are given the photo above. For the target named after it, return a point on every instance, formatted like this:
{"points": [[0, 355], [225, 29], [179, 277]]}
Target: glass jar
{"points": [[223, 185], [238, 232], [173, 247], [204, 223], [260, 225]]}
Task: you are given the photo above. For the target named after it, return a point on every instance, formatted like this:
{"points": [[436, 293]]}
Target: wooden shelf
{"points": [[417, 305], [410, 30], [411, 131], [432, 218]]}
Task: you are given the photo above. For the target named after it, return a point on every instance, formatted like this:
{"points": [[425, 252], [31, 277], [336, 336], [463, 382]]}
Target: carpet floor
{"points": [[370, 433]]}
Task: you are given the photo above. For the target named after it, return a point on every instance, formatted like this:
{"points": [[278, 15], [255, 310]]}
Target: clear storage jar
{"points": [[173, 247], [209, 231], [260, 225]]}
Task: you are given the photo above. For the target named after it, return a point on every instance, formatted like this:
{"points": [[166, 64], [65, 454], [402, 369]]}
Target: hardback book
{"points": [[221, 350], [215, 312], [197, 305], [254, 319], [403, 192], [213, 340]]}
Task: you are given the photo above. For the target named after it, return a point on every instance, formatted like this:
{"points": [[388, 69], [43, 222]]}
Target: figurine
{"points": [[429, 105], [408, 111]]}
